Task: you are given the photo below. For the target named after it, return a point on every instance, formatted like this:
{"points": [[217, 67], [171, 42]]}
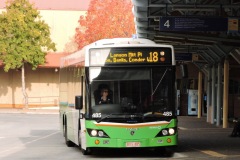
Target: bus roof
{"points": [[116, 41], [79, 57]]}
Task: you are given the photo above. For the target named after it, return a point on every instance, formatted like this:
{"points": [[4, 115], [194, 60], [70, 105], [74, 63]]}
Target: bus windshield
{"points": [[121, 94]]}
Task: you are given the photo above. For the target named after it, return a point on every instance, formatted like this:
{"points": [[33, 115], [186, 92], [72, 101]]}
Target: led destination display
{"points": [[130, 55], [139, 55]]}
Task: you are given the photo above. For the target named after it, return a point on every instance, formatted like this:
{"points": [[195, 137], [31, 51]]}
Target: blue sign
{"points": [[193, 24], [183, 56]]}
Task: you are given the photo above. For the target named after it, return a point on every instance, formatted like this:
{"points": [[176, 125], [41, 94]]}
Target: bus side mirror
{"points": [[78, 102]]}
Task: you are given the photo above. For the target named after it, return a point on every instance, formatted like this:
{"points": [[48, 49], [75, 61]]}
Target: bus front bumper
{"points": [[133, 143]]}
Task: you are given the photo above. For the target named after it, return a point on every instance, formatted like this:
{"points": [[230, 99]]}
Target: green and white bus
{"points": [[140, 79]]}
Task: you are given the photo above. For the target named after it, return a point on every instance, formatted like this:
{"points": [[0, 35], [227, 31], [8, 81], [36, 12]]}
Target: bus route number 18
{"points": [[153, 57]]}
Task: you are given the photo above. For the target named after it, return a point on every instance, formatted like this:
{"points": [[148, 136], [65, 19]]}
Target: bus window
{"points": [[103, 95], [142, 92]]}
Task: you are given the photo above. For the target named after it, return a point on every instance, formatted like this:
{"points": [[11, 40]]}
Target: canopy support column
{"points": [[213, 94], [199, 94], [219, 93], [225, 93], [209, 95]]}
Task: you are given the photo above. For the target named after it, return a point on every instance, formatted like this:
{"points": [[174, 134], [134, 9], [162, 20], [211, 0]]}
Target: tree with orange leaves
{"points": [[105, 19]]}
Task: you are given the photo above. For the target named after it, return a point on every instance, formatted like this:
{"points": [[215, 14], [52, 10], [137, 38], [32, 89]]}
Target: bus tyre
{"points": [[86, 151], [67, 141], [64, 132]]}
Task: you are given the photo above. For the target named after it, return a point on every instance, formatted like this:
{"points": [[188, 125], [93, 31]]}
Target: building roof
{"points": [[52, 60]]}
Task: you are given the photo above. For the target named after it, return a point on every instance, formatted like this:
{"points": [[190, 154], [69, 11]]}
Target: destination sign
{"points": [[131, 56]]}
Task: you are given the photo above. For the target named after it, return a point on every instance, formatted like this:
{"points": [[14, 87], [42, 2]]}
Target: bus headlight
{"points": [[94, 133], [167, 132], [171, 131], [100, 133], [164, 132], [97, 133]]}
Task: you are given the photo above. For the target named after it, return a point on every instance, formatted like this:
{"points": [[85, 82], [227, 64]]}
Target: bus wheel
{"points": [[67, 141], [63, 128], [86, 151], [64, 132]]}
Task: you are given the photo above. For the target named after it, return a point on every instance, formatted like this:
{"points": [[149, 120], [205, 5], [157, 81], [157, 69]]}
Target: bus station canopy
{"points": [[209, 29]]}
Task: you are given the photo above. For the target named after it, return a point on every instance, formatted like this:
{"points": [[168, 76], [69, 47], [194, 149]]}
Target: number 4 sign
{"points": [[167, 24]]}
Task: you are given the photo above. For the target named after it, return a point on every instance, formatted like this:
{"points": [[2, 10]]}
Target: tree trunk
{"points": [[25, 96]]}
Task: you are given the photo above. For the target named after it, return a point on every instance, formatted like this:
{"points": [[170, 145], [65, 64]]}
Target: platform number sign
{"points": [[193, 24], [167, 24]]}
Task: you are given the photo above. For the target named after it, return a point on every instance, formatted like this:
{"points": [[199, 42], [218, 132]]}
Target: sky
{"points": [[81, 5]]}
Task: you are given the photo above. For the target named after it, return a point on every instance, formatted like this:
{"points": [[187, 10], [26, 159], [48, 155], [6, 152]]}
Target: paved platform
{"points": [[203, 140], [188, 122]]}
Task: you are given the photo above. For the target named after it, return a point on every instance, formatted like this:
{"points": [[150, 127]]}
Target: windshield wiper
{"points": [[107, 116], [159, 82], [123, 116]]}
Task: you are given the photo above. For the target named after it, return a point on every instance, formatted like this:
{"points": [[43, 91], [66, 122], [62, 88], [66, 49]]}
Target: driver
{"points": [[105, 99]]}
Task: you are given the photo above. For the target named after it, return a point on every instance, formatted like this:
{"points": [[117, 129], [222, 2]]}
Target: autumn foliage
{"points": [[105, 19]]}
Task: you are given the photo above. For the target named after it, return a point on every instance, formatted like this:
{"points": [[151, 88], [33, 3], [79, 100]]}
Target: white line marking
{"points": [[21, 145], [211, 153]]}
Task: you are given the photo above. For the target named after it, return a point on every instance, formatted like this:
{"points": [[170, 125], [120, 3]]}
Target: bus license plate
{"points": [[133, 144]]}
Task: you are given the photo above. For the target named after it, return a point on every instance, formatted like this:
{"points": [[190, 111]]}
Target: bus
{"points": [[140, 110]]}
